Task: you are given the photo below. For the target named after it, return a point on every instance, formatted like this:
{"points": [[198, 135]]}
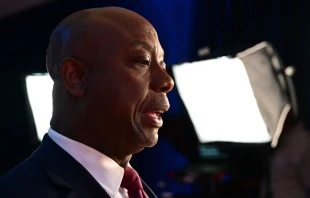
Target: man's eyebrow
{"points": [[145, 45], [142, 44]]}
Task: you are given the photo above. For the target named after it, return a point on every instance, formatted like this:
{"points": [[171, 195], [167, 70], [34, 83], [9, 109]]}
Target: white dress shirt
{"points": [[105, 170]]}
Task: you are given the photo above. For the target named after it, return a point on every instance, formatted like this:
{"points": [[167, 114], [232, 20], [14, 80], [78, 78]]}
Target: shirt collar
{"points": [[104, 169]]}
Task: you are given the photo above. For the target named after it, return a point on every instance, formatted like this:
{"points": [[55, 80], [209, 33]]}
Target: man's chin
{"points": [[148, 137], [150, 142], [146, 143]]}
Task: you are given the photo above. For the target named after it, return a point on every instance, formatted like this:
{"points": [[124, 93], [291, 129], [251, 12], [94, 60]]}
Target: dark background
{"points": [[184, 27]]}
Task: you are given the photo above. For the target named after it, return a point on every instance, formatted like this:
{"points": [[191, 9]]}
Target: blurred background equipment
{"points": [[190, 31], [220, 101], [236, 106], [39, 91], [272, 87]]}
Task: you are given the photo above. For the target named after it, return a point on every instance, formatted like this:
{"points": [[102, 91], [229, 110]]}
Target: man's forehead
{"points": [[138, 34], [115, 32]]}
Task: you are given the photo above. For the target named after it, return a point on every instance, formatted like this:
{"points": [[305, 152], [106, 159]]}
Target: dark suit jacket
{"points": [[51, 172]]}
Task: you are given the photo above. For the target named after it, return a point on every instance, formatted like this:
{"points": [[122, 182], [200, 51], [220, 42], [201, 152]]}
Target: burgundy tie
{"points": [[131, 181]]}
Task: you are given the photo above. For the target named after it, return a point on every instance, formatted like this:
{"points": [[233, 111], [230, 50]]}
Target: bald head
{"points": [[89, 34], [110, 81]]}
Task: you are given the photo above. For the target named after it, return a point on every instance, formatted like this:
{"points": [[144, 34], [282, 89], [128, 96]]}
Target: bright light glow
{"points": [[39, 89], [220, 101]]}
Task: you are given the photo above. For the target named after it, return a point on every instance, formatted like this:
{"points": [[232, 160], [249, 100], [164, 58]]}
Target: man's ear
{"points": [[72, 73]]}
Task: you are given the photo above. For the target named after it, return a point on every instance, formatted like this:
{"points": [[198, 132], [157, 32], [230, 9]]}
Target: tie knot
{"points": [[131, 180]]}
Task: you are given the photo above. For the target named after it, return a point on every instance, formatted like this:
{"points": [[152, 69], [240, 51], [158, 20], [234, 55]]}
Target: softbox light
{"points": [[241, 99], [39, 90]]}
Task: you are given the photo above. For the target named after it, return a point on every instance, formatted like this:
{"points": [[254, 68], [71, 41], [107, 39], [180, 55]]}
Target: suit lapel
{"points": [[148, 190], [66, 173]]}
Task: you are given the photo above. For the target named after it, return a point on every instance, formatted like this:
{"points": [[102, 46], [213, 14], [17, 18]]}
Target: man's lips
{"points": [[153, 118]]}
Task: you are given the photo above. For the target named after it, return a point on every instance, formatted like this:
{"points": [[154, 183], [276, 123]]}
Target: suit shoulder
{"points": [[29, 168], [22, 179]]}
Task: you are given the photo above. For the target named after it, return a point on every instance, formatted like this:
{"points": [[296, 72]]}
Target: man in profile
{"points": [[110, 87]]}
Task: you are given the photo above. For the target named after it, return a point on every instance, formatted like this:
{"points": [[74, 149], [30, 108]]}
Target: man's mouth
{"points": [[154, 114], [153, 118]]}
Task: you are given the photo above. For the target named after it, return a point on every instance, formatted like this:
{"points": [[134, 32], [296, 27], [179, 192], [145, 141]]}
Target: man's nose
{"points": [[162, 81]]}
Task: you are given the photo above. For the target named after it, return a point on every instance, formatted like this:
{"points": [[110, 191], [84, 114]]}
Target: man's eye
{"points": [[144, 62]]}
